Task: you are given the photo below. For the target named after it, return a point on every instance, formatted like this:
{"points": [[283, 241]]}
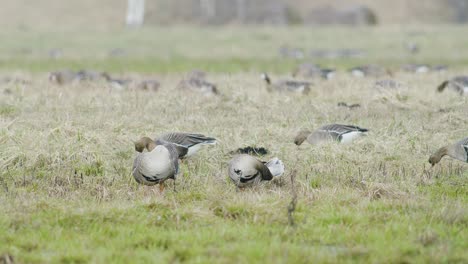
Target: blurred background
{"points": [[26, 14]]}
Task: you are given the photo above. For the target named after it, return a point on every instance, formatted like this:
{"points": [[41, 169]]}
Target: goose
{"points": [[349, 106], [89, 75], [159, 163], [196, 82], [186, 144], [149, 85], [245, 170], [370, 70], [333, 132], [458, 151], [118, 84], [309, 70], [416, 68], [63, 77], [386, 84], [286, 85], [458, 84]]}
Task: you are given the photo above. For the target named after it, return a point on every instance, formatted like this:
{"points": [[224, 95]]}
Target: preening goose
{"points": [[333, 132], [245, 170], [159, 163], [186, 144], [458, 151], [458, 84], [286, 85]]}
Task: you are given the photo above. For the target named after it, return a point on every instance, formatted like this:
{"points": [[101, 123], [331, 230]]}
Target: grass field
{"points": [[66, 190]]}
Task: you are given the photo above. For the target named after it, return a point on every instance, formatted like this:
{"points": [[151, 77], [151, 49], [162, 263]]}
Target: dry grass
{"points": [[68, 196]]}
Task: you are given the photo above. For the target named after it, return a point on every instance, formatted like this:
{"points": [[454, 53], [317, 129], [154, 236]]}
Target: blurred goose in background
{"points": [[349, 106], [309, 70], [286, 85], [63, 77], [117, 84], [370, 70], [386, 84], [195, 81], [416, 68], [89, 75], [159, 163], [245, 170], [458, 151], [148, 85], [186, 144], [458, 84], [333, 132]]}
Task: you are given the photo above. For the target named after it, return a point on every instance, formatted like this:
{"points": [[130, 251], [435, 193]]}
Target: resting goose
{"points": [[457, 151], [333, 132], [186, 144], [160, 163], [245, 170], [458, 84], [287, 85]]}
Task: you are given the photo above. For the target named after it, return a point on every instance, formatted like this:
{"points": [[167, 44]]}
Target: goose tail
{"points": [[442, 86], [276, 167]]}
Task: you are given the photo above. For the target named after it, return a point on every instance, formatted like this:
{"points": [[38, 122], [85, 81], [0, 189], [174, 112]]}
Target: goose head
{"points": [[144, 142], [266, 78], [301, 137]]}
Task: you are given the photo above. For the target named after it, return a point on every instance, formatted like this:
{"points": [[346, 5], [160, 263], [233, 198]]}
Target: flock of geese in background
{"points": [[158, 159], [196, 80]]}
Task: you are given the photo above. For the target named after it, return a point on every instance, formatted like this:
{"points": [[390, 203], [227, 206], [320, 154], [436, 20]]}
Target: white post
{"points": [[135, 12], [208, 7], [241, 16]]}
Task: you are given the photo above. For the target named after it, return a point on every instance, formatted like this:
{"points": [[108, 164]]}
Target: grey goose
{"points": [[309, 70], [186, 144], [458, 84], [458, 150], [286, 85], [245, 170], [370, 70], [333, 132], [159, 163], [196, 82]]}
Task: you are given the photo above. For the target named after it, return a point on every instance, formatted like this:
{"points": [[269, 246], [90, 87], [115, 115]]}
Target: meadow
{"points": [[66, 190]]}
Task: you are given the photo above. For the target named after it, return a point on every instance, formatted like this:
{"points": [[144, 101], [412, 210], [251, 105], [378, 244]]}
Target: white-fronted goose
{"points": [[286, 85], [333, 132], [63, 77], [416, 68], [245, 170], [149, 85], [159, 163], [309, 70], [458, 84], [187, 144], [118, 84], [196, 82], [370, 70], [457, 151], [387, 84]]}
